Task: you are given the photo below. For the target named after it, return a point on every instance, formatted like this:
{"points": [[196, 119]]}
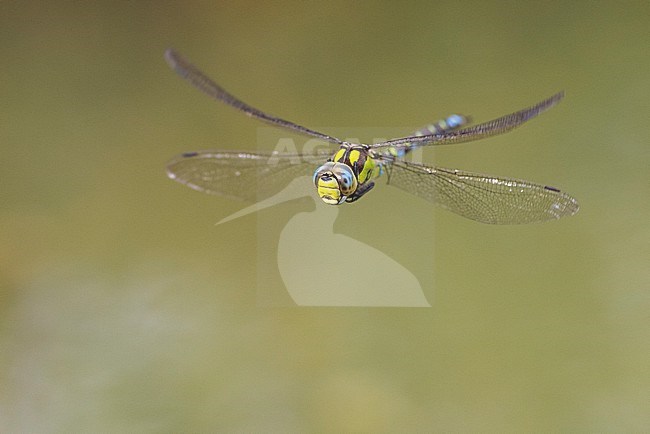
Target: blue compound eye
{"points": [[346, 179], [324, 169]]}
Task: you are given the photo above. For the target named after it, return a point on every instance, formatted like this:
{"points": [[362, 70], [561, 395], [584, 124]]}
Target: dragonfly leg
{"points": [[363, 189]]}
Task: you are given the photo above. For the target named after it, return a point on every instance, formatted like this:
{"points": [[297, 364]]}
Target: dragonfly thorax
{"points": [[335, 182]]}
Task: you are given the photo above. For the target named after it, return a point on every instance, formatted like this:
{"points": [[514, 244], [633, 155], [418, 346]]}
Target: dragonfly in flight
{"points": [[347, 174]]}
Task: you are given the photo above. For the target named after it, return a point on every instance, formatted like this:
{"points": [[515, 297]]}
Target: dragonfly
{"points": [[350, 172]]}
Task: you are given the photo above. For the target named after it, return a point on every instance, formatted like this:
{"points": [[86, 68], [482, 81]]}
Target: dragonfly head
{"points": [[335, 182]]}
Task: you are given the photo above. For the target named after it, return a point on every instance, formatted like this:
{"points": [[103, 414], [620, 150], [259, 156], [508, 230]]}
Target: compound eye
{"points": [[347, 181], [324, 170]]}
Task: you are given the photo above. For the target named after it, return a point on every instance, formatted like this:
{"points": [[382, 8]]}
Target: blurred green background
{"points": [[123, 308]]}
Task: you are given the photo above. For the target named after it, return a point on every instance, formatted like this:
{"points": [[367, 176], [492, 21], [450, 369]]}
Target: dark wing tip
{"points": [[175, 60], [171, 56], [574, 206], [555, 99], [542, 106]]}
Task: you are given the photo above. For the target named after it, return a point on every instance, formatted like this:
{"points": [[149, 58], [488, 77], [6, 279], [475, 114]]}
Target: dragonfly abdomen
{"points": [[450, 123]]}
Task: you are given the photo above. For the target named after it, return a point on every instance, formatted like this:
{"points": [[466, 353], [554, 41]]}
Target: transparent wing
{"points": [[192, 74], [486, 129], [487, 199], [241, 175]]}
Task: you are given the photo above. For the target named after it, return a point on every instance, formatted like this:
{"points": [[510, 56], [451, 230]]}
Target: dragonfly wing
{"points": [[241, 175], [484, 198], [202, 82], [475, 132]]}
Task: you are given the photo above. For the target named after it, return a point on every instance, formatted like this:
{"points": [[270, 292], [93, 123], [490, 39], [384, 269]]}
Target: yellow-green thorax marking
{"points": [[347, 175]]}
